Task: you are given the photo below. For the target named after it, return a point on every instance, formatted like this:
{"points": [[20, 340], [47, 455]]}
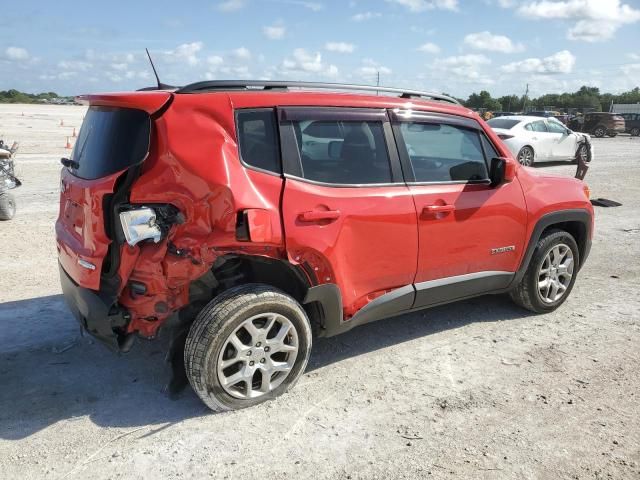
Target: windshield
{"points": [[110, 140], [503, 123]]}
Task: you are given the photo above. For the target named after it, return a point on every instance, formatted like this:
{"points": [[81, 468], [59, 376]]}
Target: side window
{"points": [[258, 139], [489, 149], [555, 127], [529, 127], [343, 152], [539, 126], [444, 153]]}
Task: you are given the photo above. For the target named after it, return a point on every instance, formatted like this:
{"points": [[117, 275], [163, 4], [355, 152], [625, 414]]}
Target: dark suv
{"points": [[249, 215], [599, 124], [632, 123]]}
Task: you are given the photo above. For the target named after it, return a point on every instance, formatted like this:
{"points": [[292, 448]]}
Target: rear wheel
{"points": [[7, 206], [635, 132], [600, 132], [526, 156], [550, 275], [246, 346]]}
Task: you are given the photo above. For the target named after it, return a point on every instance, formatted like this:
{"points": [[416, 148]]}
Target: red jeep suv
{"points": [[250, 216]]}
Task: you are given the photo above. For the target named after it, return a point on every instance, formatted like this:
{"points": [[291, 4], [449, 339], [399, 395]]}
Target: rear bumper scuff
{"points": [[94, 312]]}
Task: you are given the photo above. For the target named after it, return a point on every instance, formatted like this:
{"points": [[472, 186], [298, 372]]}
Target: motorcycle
{"points": [[8, 180]]}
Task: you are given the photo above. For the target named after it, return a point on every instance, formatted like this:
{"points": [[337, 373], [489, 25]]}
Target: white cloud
{"points": [[242, 53], [364, 16], [313, 6], [595, 20], [304, 61], [422, 5], [340, 47], [429, 48], [215, 60], [274, 32], [561, 62], [465, 67], [492, 43], [633, 56], [231, 5], [16, 53], [186, 52], [371, 68], [75, 65]]}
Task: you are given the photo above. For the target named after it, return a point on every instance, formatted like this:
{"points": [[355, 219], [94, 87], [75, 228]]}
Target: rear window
{"points": [[503, 123], [110, 140]]}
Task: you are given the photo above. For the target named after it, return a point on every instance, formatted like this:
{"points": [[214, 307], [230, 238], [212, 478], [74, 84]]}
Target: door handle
{"points": [[434, 209], [317, 215]]}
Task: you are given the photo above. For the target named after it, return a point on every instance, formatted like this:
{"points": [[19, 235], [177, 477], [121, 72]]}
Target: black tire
{"points": [[635, 132], [219, 320], [7, 206], [582, 150], [526, 293], [600, 132], [526, 156], [612, 135]]}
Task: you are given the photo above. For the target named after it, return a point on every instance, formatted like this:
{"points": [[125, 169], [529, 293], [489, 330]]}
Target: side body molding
{"points": [[432, 293]]}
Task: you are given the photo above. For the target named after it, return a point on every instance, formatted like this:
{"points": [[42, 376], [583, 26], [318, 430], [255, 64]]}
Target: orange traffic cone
{"points": [[74, 133], [68, 145], [62, 123]]}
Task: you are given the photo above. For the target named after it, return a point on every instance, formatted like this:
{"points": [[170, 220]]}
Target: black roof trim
{"points": [[231, 85]]}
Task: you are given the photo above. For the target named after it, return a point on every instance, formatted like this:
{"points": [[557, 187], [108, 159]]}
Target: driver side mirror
{"points": [[501, 170]]}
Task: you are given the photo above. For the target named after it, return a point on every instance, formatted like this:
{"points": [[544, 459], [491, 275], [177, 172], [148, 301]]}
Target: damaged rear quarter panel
{"points": [[193, 165]]}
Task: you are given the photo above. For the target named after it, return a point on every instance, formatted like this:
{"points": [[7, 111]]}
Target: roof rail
{"points": [[227, 85]]}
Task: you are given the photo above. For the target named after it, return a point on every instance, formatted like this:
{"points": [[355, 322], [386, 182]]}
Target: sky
{"points": [[454, 46]]}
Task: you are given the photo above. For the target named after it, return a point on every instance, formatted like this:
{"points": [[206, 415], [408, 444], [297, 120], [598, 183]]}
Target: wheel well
{"points": [[577, 230], [232, 270]]}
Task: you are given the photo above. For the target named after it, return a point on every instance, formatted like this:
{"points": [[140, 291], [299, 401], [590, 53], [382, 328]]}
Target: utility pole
{"points": [[524, 102], [377, 81]]}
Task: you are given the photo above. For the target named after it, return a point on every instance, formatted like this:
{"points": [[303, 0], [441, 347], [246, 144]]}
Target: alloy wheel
{"points": [[258, 356], [525, 157], [555, 273], [583, 154], [599, 132]]}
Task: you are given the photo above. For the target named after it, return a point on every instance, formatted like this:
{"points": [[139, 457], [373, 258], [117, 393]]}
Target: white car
{"points": [[534, 139]]}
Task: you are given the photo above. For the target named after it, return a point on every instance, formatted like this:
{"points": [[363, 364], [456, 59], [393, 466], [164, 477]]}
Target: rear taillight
{"points": [[504, 136], [140, 224]]}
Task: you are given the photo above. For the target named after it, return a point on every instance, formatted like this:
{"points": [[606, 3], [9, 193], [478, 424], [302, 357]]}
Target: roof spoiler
{"points": [[149, 101]]}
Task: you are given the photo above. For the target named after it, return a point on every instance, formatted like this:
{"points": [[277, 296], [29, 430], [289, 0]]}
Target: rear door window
{"points": [[110, 140], [258, 139], [343, 152], [444, 153]]}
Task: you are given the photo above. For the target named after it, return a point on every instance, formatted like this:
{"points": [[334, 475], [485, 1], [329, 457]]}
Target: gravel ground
{"points": [[479, 389]]}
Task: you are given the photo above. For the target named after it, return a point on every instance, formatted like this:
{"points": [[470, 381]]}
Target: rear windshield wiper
{"points": [[67, 162]]}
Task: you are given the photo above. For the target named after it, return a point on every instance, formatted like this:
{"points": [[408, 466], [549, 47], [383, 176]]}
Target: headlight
{"points": [[140, 224]]}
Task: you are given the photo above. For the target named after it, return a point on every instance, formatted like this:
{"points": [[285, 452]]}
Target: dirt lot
{"points": [[478, 389]]}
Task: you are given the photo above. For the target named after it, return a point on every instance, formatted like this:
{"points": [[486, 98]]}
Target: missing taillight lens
{"points": [[140, 224]]}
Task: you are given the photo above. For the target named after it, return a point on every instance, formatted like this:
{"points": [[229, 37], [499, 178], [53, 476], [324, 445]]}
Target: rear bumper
{"points": [[96, 314]]}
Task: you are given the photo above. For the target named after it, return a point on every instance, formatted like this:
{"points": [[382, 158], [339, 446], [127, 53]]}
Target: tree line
{"points": [[16, 96], [588, 98]]}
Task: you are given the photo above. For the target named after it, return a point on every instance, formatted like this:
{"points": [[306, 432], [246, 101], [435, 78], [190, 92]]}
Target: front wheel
{"points": [[550, 275], [7, 206], [246, 346], [582, 155], [600, 132], [635, 132], [526, 156]]}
